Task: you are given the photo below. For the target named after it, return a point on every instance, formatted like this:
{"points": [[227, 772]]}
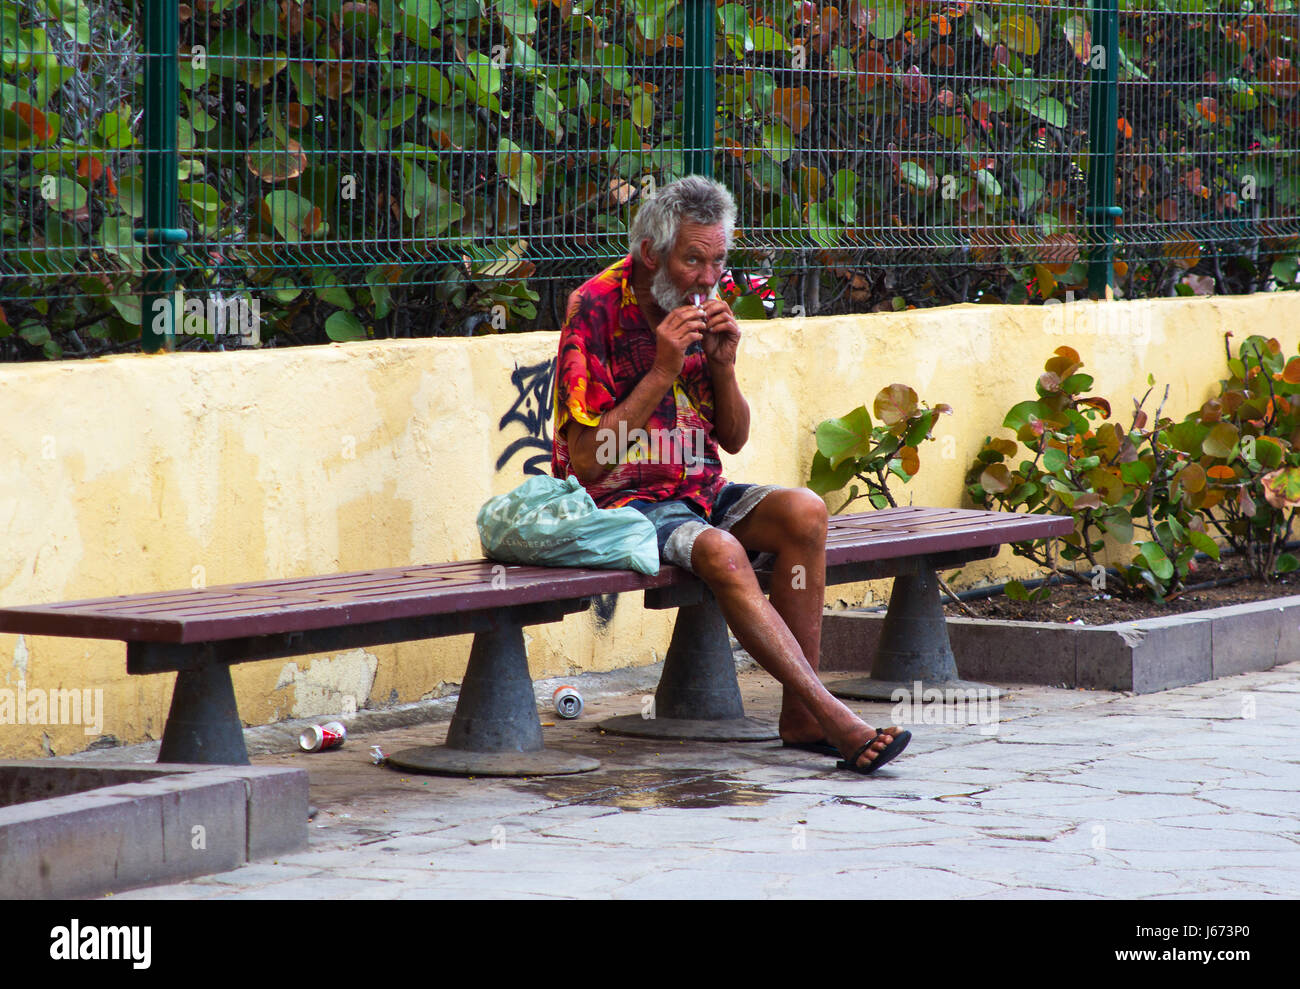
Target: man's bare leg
{"points": [[792, 524], [721, 562]]}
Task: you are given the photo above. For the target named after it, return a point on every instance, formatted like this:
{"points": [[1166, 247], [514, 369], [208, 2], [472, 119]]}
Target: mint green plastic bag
{"points": [[551, 522]]}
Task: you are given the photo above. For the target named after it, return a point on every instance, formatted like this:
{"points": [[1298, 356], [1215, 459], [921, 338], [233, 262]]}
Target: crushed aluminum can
{"points": [[377, 755], [567, 701], [318, 738]]}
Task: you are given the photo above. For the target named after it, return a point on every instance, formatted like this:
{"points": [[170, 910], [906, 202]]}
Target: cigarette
{"points": [[699, 300]]}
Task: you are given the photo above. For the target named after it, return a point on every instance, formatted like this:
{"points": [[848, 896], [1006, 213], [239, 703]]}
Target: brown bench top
{"points": [[304, 603]]}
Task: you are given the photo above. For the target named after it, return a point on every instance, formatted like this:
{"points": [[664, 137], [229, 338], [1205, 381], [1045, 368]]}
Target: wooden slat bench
{"points": [[495, 730]]}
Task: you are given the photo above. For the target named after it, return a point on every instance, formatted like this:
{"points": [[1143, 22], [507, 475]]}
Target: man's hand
{"points": [[722, 335], [677, 331]]}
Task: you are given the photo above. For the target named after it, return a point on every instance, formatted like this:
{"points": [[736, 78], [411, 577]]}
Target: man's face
{"points": [[693, 266]]}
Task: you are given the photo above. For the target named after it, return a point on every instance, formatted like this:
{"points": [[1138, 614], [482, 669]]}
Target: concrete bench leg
{"points": [[203, 725], [698, 696], [495, 730], [913, 647]]}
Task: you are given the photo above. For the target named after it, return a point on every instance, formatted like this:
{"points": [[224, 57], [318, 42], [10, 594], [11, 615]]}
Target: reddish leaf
{"points": [[312, 221], [1097, 403], [995, 478], [914, 85], [1255, 29], [89, 166], [1064, 362], [291, 16], [1059, 252], [1282, 487], [1183, 250], [34, 119], [1282, 76], [1245, 503], [338, 79], [894, 404], [1142, 175], [911, 460], [794, 106]]}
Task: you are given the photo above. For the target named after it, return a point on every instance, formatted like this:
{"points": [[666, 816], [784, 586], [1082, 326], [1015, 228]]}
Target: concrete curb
{"points": [[1142, 657], [77, 830]]}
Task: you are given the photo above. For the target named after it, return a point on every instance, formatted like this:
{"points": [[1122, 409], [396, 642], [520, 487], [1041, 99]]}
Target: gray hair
{"points": [[694, 198]]}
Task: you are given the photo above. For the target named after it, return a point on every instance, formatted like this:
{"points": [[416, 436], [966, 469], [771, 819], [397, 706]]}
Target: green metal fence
{"points": [[406, 167]]}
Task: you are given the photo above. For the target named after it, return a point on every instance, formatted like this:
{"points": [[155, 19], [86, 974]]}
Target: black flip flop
{"points": [[885, 755], [821, 748]]}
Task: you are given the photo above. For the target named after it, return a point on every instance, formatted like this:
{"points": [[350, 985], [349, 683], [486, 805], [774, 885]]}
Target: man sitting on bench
{"points": [[645, 393]]}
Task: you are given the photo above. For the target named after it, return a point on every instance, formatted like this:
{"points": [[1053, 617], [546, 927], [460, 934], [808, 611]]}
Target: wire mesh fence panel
{"points": [[1208, 168], [909, 149], [436, 158], [425, 167], [68, 81]]}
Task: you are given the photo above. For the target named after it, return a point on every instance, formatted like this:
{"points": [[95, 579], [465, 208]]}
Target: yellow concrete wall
{"points": [[141, 473]]}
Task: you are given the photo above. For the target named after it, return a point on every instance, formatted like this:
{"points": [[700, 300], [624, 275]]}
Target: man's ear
{"points": [[648, 256]]}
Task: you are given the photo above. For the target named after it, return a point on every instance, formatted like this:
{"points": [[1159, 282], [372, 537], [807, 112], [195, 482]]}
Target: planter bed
{"points": [[1139, 656]]}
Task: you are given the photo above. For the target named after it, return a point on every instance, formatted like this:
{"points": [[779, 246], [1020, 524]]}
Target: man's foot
{"points": [[811, 738], [797, 726], [881, 739]]}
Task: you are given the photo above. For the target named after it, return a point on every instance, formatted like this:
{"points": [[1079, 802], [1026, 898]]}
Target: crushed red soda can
{"points": [[318, 738], [567, 701]]}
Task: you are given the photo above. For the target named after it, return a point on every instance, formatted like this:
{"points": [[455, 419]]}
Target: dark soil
{"points": [[1071, 602]]}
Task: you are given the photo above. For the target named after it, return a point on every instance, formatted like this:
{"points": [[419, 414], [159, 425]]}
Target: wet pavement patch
{"points": [[643, 789]]}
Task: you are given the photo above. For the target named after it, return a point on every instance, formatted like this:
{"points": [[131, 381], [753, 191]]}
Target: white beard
{"points": [[665, 293]]}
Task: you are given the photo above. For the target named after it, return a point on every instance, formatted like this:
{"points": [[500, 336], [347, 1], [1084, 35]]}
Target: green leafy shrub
{"points": [[1243, 469], [1125, 483], [852, 447]]}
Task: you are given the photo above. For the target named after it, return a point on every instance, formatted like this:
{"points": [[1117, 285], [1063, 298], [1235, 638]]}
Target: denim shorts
{"points": [[678, 522]]}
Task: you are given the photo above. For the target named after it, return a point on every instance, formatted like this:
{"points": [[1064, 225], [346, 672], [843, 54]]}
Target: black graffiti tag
{"points": [[534, 387]]}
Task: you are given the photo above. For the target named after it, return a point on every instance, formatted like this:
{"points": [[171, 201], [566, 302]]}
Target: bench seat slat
{"points": [[266, 607]]}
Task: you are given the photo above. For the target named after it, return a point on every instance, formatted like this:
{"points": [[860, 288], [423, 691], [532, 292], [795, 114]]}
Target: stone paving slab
{"points": [[1189, 793]]}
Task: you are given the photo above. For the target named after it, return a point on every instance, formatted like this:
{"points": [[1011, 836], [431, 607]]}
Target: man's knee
{"points": [[718, 559], [805, 517]]}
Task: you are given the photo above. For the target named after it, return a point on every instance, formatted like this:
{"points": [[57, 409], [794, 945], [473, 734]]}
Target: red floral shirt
{"points": [[606, 348]]}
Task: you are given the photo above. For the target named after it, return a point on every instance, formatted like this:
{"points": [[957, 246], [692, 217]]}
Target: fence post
{"points": [[1103, 108], [700, 104], [161, 99]]}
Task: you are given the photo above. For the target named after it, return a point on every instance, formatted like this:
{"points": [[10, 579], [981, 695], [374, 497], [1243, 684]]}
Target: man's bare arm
{"points": [[677, 331], [635, 411]]}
